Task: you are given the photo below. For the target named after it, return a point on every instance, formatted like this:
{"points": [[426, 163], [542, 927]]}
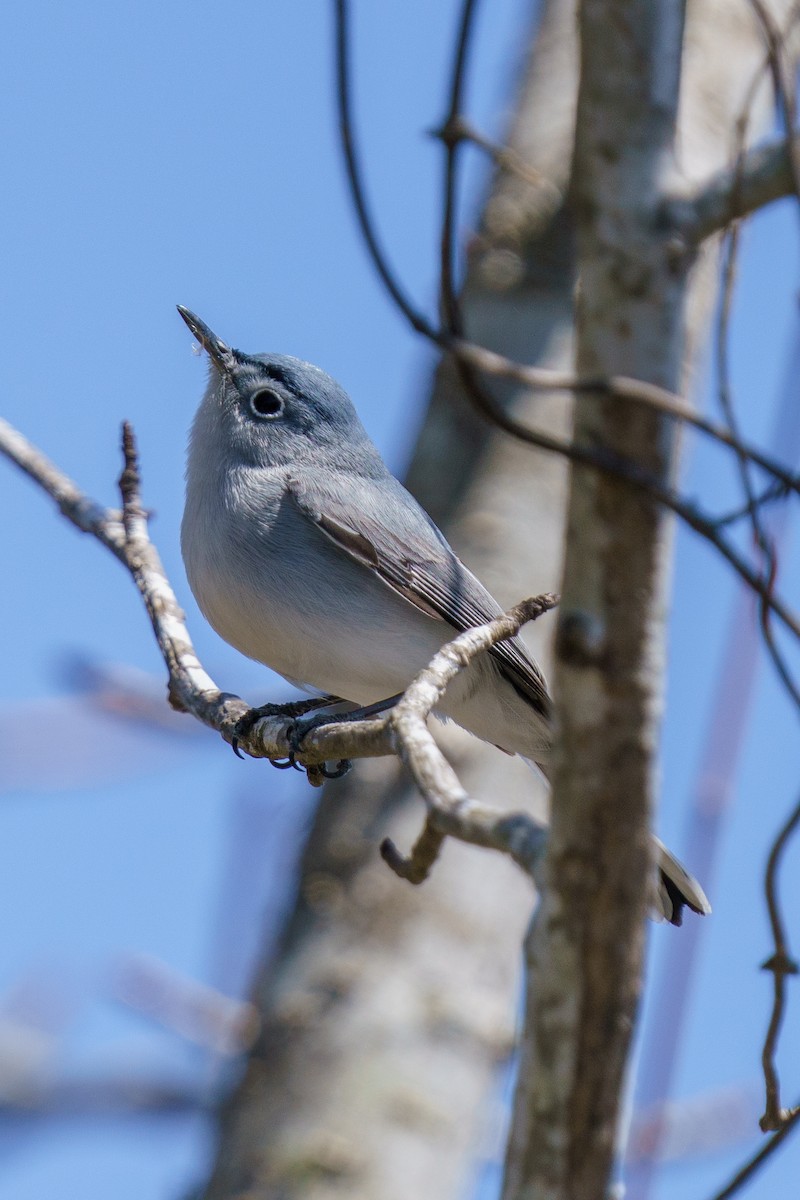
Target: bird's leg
{"points": [[295, 708]]}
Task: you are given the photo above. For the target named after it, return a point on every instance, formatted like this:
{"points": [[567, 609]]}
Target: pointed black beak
{"points": [[223, 356]]}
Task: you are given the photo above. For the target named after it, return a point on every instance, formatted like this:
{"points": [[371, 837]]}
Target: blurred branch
{"points": [[745, 1173], [783, 83], [110, 1097], [775, 491], [452, 135], [764, 175], [503, 157], [201, 1014]]}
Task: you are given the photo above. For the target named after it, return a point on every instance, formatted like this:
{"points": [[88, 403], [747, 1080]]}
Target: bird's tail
{"points": [[675, 889]]}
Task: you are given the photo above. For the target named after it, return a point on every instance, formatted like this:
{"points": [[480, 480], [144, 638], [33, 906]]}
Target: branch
{"points": [[403, 730], [190, 688], [452, 135], [450, 810], [763, 176], [781, 965], [473, 358], [620, 387], [479, 357], [745, 1173]]}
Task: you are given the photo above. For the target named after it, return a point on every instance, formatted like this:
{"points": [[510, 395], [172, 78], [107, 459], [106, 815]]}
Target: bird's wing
{"points": [[386, 531]]}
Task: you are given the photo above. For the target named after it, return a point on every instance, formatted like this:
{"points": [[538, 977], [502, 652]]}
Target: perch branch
{"points": [[451, 813]]}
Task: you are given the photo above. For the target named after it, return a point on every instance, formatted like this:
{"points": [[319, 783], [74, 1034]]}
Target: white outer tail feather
{"points": [[675, 888]]}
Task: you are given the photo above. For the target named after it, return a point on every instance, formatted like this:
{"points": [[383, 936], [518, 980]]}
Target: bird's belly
{"points": [[358, 639]]}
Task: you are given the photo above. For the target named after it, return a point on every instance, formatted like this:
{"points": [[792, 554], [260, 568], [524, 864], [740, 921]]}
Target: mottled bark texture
{"points": [[640, 296]]}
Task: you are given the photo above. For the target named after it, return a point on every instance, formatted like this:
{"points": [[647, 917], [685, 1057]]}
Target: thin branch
{"points": [[190, 687], [746, 1172], [450, 810], [357, 190], [471, 357], [502, 156], [424, 853], [452, 134], [781, 964], [770, 494], [487, 361], [402, 730], [782, 82], [775, 1117], [765, 176], [613, 387]]}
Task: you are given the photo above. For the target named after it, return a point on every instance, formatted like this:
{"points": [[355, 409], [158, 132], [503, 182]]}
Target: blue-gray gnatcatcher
{"points": [[305, 553]]}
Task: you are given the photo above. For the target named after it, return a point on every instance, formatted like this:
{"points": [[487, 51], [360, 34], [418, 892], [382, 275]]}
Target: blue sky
{"points": [[165, 153]]}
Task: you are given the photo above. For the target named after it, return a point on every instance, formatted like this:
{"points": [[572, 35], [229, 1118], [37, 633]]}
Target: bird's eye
{"points": [[266, 403]]}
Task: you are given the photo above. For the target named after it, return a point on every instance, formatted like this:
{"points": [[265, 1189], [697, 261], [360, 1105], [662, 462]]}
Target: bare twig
{"points": [[746, 1172], [478, 357], [452, 134], [357, 190], [772, 493], [424, 853], [502, 156], [450, 810], [620, 387], [781, 965], [125, 535]]}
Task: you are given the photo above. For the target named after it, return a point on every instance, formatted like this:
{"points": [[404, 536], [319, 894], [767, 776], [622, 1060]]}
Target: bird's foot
{"points": [[299, 730], [295, 708]]}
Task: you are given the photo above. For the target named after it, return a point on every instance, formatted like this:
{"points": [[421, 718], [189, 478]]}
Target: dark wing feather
{"points": [[418, 564]]}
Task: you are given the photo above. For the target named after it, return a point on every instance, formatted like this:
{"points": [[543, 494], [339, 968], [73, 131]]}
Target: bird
{"points": [[306, 554]]}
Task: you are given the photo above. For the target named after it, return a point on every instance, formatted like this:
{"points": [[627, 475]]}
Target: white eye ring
{"points": [[266, 404]]}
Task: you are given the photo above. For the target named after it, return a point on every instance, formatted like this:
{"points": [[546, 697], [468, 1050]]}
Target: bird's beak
{"points": [[223, 356]]}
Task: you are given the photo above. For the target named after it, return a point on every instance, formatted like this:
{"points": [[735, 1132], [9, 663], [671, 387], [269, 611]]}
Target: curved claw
{"points": [[341, 768], [283, 764], [235, 747], [294, 736]]}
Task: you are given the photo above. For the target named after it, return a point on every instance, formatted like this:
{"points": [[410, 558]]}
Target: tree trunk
{"points": [[636, 287]]}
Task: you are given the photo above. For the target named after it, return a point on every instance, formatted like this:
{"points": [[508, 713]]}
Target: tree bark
{"points": [[637, 285]]}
